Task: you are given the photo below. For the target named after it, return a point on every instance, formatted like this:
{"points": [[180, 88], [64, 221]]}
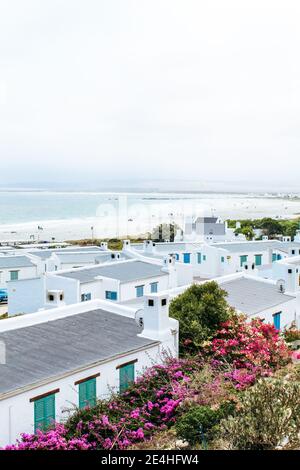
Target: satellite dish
{"points": [[281, 285]]}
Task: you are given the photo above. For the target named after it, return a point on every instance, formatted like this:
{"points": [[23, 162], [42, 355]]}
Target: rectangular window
{"points": [[199, 258], [154, 287], [274, 257], [204, 257], [276, 320], [44, 412], [279, 257], [111, 295], [243, 260], [126, 376], [86, 297], [87, 393], [186, 258], [139, 291], [177, 256], [258, 260], [14, 275], [222, 259]]}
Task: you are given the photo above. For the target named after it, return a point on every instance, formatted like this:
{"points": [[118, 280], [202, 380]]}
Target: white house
{"points": [[256, 298], [115, 281], [286, 271], [209, 229], [16, 267], [49, 260], [69, 356], [260, 298], [216, 259]]}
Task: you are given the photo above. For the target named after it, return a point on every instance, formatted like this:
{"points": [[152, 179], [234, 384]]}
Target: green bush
{"points": [[200, 310], [268, 417], [197, 425]]}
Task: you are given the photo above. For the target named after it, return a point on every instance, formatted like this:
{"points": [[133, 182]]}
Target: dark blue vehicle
{"points": [[3, 295]]}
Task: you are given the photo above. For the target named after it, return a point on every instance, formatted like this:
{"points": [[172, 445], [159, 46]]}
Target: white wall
{"points": [[289, 313], [128, 289], [25, 296], [24, 273]]}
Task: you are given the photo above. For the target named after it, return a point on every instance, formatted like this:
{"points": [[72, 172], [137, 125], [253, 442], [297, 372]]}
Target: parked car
{"points": [[3, 295]]}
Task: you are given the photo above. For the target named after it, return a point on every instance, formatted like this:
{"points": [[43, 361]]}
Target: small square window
{"points": [[164, 302], [151, 303]]}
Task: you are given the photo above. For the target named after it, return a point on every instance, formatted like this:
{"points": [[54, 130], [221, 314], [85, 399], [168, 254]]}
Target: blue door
{"points": [[186, 258], [276, 320]]}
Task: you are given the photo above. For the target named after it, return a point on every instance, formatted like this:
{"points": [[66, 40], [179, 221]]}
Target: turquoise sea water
{"points": [[27, 206]]}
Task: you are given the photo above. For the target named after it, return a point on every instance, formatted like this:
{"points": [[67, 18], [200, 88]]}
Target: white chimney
{"points": [[170, 268], [155, 316], [126, 245], [178, 236], [157, 324], [55, 298], [148, 246]]}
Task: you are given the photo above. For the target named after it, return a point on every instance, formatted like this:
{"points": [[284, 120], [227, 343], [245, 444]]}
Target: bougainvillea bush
{"points": [[251, 349], [149, 405], [54, 439]]}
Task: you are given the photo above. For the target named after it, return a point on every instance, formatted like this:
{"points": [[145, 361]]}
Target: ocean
{"points": [[71, 215]]}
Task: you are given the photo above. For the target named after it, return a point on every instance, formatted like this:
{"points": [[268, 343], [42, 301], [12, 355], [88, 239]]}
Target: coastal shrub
{"points": [[250, 349], [200, 311], [210, 387], [197, 425], [291, 334], [268, 417]]}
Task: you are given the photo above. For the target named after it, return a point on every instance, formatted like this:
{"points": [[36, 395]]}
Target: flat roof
{"points": [[124, 271], [252, 296], [46, 253], [58, 347], [257, 246], [10, 262]]}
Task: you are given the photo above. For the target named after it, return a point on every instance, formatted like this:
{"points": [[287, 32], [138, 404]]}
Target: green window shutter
{"points": [[258, 260], [14, 275], [243, 260], [87, 393], [126, 376], [39, 418], [44, 412], [49, 409]]}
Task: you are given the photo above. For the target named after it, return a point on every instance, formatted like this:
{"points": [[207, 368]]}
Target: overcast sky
{"points": [[201, 89]]}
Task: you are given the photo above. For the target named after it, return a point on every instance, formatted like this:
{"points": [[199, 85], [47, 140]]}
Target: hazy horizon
{"points": [[152, 186], [127, 92]]}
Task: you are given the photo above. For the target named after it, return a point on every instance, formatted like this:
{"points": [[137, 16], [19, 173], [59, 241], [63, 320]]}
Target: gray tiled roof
{"points": [[124, 271], [51, 349], [251, 296], [10, 262]]}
